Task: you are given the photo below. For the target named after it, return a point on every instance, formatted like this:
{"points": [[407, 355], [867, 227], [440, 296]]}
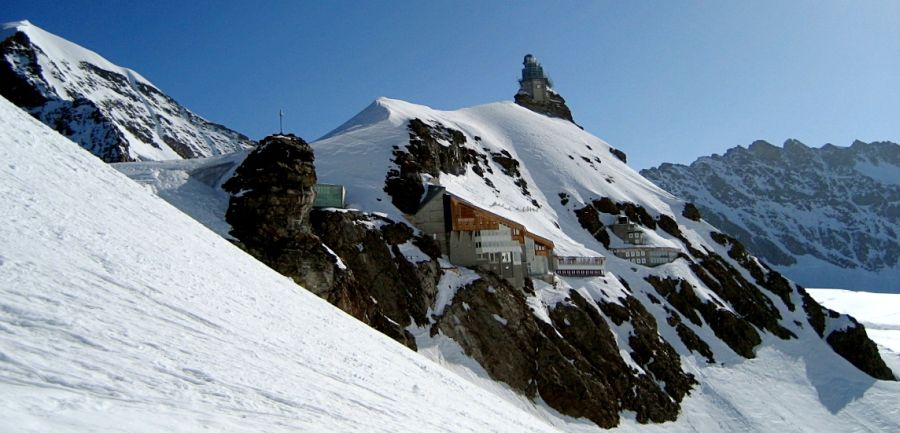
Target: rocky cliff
{"points": [[111, 111], [826, 217]]}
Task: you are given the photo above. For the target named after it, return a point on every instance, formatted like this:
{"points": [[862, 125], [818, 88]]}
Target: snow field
{"points": [[120, 313]]}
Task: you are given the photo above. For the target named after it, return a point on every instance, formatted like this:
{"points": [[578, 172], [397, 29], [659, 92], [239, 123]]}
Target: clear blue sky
{"points": [[662, 80]]}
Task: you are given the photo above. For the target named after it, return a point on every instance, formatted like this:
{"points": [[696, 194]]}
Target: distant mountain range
{"points": [[826, 217], [112, 111]]}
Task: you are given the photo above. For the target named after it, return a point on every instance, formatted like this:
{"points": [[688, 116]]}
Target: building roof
{"points": [[439, 191]]}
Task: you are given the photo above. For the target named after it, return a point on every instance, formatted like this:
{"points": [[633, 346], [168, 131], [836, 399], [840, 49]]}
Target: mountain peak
{"points": [[112, 111], [60, 49]]}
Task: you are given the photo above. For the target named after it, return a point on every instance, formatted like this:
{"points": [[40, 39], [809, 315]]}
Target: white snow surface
{"points": [[120, 313]]}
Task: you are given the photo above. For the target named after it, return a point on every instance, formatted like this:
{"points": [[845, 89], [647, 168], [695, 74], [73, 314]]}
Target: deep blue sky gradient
{"points": [[663, 80]]}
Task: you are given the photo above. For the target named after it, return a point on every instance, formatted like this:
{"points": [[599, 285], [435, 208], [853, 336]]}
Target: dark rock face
{"points": [[852, 342], [590, 221], [432, 149], [436, 149], [691, 212], [510, 167], [618, 154], [755, 311], [572, 363], [837, 204], [403, 289], [272, 191], [112, 114], [16, 87], [554, 107], [271, 214], [854, 345], [271, 198]]}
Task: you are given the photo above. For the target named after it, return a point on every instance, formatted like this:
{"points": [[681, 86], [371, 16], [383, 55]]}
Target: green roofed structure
{"points": [[328, 195]]}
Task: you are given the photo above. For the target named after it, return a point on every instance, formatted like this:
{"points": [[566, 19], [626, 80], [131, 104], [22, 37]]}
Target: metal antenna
{"points": [[280, 122]]}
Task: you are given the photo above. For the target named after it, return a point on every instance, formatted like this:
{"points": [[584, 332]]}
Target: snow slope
{"points": [[112, 111], [794, 385], [120, 313]]}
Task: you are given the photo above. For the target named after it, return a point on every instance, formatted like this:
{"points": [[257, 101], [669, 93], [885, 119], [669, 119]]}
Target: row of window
{"points": [[580, 272], [487, 244], [579, 260]]}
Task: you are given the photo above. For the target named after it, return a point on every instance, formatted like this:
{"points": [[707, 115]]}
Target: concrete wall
{"points": [[629, 233], [463, 252]]}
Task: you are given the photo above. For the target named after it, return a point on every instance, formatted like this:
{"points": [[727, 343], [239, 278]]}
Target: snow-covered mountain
{"points": [[120, 313], [112, 111], [826, 217], [713, 341]]}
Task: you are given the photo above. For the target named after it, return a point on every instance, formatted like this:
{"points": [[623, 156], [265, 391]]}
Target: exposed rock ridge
{"points": [[573, 362], [114, 114]]}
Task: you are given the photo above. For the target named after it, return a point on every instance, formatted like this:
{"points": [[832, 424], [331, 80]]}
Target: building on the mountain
{"points": [[579, 266], [647, 255], [472, 236], [328, 195], [636, 249], [534, 82], [628, 231]]}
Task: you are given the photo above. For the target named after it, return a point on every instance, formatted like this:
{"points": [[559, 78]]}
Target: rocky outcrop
{"points": [[271, 199], [848, 339], [753, 311], [432, 149], [555, 106], [589, 219], [374, 250], [352, 259], [573, 362], [854, 345]]}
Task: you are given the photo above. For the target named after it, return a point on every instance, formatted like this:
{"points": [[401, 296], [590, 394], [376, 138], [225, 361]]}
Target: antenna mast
{"points": [[280, 122]]}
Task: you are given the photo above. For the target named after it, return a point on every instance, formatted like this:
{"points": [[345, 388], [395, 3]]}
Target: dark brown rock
{"points": [[574, 363], [618, 154], [691, 212], [432, 149], [554, 107], [590, 221], [855, 346]]}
